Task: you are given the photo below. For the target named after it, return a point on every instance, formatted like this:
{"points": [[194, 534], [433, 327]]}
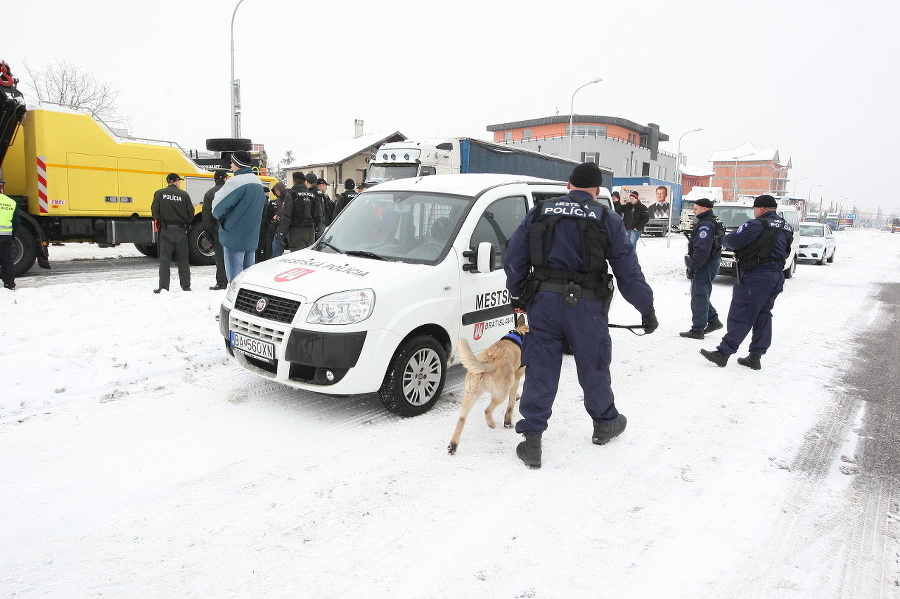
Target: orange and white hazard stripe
{"points": [[43, 204]]}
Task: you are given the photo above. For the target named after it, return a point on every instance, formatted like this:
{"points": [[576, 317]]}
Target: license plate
{"points": [[727, 263], [253, 347]]}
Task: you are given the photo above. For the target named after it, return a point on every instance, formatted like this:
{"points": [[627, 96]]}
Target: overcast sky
{"points": [[815, 80]]}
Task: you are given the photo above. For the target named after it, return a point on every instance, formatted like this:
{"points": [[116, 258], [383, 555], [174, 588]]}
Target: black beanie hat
{"points": [[349, 184], [311, 178], [704, 202], [241, 159], [585, 175], [765, 201]]}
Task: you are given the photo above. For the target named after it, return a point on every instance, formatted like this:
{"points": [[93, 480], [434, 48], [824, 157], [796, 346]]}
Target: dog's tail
{"points": [[470, 360]]}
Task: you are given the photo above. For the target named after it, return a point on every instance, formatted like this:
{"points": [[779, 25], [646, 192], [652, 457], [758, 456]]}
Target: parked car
{"points": [[379, 303], [817, 243]]}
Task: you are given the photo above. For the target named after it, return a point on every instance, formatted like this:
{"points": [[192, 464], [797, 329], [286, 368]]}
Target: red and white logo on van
{"points": [[294, 273], [479, 331]]}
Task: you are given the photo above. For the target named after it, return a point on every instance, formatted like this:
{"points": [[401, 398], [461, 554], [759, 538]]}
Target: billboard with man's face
{"points": [[655, 197]]}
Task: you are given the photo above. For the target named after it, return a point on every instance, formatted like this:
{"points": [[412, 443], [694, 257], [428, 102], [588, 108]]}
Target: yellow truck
{"points": [[78, 180]]}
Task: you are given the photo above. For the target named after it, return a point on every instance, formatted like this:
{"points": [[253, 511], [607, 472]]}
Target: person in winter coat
{"points": [[9, 222], [761, 246], [346, 197], [239, 207], [279, 193], [173, 212], [636, 216], [705, 251], [211, 226], [557, 269], [299, 214]]}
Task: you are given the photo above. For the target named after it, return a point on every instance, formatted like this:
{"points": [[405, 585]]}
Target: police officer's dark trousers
{"points": [[751, 308], [221, 279], [702, 310], [586, 328], [172, 242]]}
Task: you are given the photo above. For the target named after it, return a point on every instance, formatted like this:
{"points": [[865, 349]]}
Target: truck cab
{"points": [[379, 303]]}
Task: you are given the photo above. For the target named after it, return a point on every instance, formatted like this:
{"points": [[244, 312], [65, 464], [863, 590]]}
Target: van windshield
{"points": [[397, 225], [734, 216]]}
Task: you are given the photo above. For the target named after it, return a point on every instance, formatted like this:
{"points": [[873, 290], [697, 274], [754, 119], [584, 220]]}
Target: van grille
{"points": [[277, 308], [238, 325]]}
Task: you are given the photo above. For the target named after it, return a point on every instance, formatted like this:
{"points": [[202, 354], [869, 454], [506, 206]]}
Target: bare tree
{"points": [[72, 86]]}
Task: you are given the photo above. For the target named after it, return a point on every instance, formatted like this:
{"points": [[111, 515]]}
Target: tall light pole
{"points": [[809, 197], [795, 185], [824, 191], [734, 186], [235, 102], [572, 110], [678, 157]]}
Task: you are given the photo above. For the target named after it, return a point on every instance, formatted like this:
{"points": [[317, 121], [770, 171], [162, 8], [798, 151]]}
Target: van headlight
{"points": [[346, 307], [815, 246], [233, 286]]}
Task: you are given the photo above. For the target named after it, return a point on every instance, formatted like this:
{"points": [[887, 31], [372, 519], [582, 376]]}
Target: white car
{"points": [[379, 303], [817, 242]]}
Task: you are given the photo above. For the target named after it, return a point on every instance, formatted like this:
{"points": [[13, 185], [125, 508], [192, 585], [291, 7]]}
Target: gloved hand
{"points": [[518, 303], [650, 323], [690, 273]]}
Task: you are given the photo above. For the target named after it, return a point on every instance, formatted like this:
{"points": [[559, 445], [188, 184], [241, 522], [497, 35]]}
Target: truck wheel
{"points": [[200, 246], [415, 377], [24, 250], [228, 144], [148, 249]]}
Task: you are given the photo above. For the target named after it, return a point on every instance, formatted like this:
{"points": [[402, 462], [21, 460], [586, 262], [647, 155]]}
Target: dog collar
{"points": [[514, 336]]}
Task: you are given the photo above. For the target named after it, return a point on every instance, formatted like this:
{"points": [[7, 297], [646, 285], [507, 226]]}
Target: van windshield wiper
{"points": [[335, 248], [364, 254]]}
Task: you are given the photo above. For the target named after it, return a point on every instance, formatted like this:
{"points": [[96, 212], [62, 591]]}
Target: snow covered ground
{"points": [[136, 461]]}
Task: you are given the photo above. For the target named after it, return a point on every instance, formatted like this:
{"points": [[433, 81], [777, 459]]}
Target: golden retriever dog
{"points": [[496, 370]]}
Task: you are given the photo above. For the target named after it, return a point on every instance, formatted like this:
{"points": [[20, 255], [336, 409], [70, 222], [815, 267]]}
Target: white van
{"points": [[735, 214], [380, 301]]}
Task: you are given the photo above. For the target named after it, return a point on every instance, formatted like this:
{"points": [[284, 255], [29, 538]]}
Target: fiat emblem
{"points": [[261, 305]]}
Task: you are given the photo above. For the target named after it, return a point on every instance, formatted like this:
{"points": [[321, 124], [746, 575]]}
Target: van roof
{"points": [[464, 184]]}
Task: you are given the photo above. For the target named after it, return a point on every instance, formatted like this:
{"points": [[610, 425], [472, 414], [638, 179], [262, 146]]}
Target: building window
{"points": [[627, 168], [526, 134], [586, 130], [590, 157], [507, 136]]}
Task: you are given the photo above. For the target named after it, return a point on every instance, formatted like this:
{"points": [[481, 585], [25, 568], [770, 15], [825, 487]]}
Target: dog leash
{"points": [[629, 327]]}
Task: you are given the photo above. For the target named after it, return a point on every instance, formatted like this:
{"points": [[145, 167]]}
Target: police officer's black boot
{"points": [[713, 325], [529, 450], [605, 430], [716, 357], [751, 361]]}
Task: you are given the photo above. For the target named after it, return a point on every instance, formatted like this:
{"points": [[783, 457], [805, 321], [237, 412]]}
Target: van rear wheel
{"points": [[415, 377]]}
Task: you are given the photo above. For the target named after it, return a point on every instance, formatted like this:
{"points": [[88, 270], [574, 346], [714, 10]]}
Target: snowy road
{"points": [[135, 461]]}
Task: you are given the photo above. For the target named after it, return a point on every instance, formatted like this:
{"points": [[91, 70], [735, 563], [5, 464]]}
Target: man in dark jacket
{"points": [[173, 212], [211, 226], [705, 251], [279, 194], [346, 197], [298, 214], [318, 211], [636, 216], [761, 245], [566, 294]]}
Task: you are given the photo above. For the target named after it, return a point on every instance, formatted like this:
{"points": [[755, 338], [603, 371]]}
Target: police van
{"points": [[735, 214], [379, 302]]}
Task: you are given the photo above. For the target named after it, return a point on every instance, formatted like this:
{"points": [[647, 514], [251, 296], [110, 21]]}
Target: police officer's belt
{"points": [[560, 288]]}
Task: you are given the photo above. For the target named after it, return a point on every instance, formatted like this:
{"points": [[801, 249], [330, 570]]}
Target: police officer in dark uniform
{"points": [[318, 213], [705, 251], [761, 245], [173, 212], [346, 197], [211, 226], [556, 268], [299, 213]]}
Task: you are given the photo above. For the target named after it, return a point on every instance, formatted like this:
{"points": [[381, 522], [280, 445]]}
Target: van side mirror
{"points": [[480, 259]]}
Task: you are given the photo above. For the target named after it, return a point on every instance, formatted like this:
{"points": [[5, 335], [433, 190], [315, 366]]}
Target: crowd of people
{"points": [[246, 221]]}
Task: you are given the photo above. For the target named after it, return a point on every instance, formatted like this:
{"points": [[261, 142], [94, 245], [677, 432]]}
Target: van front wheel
{"points": [[415, 378]]}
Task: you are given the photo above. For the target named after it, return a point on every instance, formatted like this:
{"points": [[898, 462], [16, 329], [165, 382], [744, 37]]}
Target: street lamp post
{"points": [[678, 156], [572, 110], [794, 191], [809, 197], [734, 187], [235, 107], [824, 191]]}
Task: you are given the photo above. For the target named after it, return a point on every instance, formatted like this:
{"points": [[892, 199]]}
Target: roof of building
{"points": [[749, 152], [342, 150], [696, 171], [582, 119]]}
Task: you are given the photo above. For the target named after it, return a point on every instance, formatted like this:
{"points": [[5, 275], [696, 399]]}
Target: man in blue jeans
{"points": [[238, 206], [705, 251], [636, 216]]}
